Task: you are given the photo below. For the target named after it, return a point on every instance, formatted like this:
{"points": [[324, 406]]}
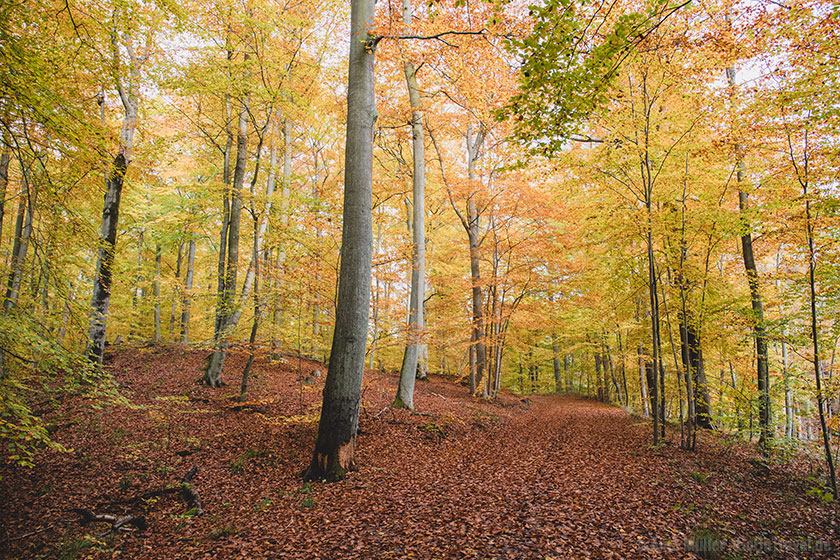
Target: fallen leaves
{"points": [[460, 478]]}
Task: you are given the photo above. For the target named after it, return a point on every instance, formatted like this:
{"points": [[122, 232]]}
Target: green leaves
{"points": [[568, 63]]}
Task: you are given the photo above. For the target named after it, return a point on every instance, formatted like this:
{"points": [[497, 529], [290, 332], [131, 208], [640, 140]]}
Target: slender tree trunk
{"points": [[472, 353], [111, 208], [252, 340], [187, 297], [5, 160], [174, 301], [260, 227], [473, 233], [785, 361], [411, 363], [285, 193], [812, 265], [334, 452], [623, 370], [375, 318], [759, 328], [226, 206], [599, 383], [657, 396], [137, 292], [227, 302], [158, 335], [558, 372], [23, 232]]}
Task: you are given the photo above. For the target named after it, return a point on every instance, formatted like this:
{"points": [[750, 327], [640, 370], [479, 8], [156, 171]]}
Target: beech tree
{"points": [[413, 364], [335, 447], [129, 54]]}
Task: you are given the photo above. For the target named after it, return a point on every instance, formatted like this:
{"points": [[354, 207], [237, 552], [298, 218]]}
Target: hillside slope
{"points": [[545, 477]]}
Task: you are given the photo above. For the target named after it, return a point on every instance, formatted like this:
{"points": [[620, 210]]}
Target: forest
{"points": [[429, 279]]}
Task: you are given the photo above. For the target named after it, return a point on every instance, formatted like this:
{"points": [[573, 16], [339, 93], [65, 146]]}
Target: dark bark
{"points": [[105, 261], [335, 446], [759, 327], [114, 185], [812, 292]]}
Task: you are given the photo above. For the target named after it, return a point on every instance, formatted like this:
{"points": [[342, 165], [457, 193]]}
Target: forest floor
{"points": [[543, 477]]}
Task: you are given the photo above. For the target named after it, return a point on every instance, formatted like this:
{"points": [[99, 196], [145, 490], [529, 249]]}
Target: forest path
{"points": [[546, 477], [563, 480]]}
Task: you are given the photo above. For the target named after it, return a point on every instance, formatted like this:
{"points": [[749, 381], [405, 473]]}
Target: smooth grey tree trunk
{"points": [[335, 447], [411, 363], [187, 297]]}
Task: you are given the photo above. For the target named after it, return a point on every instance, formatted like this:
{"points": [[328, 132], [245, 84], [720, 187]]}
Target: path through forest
{"points": [[543, 477]]}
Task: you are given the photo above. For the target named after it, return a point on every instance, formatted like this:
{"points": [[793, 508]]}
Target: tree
{"points": [[124, 52], [759, 327], [335, 447], [412, 365]]}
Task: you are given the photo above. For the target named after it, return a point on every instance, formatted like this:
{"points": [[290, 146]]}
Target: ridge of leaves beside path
{"points": [[542, 477]]}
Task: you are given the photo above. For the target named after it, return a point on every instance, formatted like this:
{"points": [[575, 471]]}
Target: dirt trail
{"points": [[551, 477]]}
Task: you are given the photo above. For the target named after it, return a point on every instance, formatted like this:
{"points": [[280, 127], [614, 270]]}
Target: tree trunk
{"points": [[158, 335], [785, 361], [260, 227], [111, 209], [187, 297], [599, 383], [137, 292], [375, 319], [285, 192], [334, 452], [23, 232], [759, 329], [411, 363], [179, 261], [224, 313], [226, 206], [5, 160], [812, 292], [656, 388], [558, 372], [473, 233]]}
